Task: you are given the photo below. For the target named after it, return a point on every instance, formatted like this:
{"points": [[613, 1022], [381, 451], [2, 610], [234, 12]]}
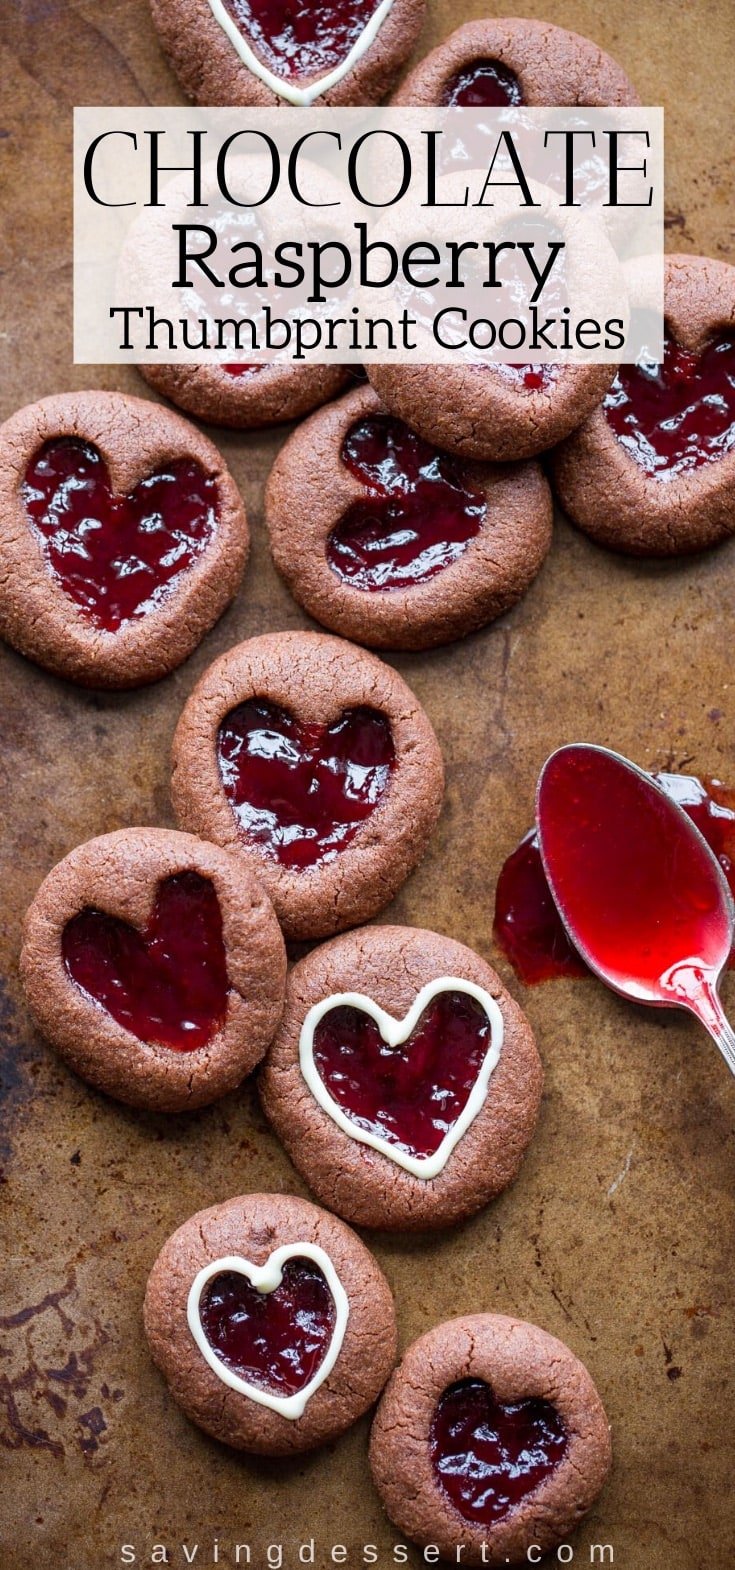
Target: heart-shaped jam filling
{"points": [[484, 84], [167, 984], [275, 1340], [117, 557], [302, 38], [489, 1455], [675, 416], [419, 515], [410, 1095], [300, 791]]}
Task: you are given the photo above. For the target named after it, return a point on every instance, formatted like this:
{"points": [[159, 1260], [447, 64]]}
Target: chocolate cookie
{"points": [[122, 537], [505, 61], [386, 540], [493, 413], [652, 471], [268, 52], [155, 966], [272, 1325], [315, 762], [246, 396], [404, 1081], [490, 1441]]}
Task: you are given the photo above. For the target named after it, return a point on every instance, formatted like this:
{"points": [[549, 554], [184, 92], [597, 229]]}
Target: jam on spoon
{"points": [[640, 893], [527, 925]]}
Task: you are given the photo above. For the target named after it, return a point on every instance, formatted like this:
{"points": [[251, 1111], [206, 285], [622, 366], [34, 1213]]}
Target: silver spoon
{"points": [[641, 894]]}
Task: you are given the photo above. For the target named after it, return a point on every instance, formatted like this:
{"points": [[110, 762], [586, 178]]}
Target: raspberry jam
{"points": [[488, 1455], [276, 1340], [528, 927], [167, 984], [302, 37], [638, 889], [676, 416], [532, 378], [484, 84], [418, 517], [301, 791], [412, 1094], [242, 372], [117, 557]]}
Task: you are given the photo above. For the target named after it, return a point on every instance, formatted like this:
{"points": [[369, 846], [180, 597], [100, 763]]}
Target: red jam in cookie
{"points": [[117, 557], [167, 984], [532, 378], [276, 1340], [412, 1094], [301, 791], [242, 371], [488, 1455], [418, 517], [302, 37], [528, 927], [676, 416], [484, 84]]}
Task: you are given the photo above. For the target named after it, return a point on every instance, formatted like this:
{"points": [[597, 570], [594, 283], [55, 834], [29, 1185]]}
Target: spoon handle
{"points": [[709, 1011]]}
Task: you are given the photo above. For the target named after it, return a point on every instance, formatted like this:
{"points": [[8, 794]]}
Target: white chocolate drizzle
{"points": [[395, 1032], [266, 1278], [300, 96]]}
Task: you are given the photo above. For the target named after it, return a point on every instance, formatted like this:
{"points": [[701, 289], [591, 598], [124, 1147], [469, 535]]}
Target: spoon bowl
{"points": [[642, 896]]}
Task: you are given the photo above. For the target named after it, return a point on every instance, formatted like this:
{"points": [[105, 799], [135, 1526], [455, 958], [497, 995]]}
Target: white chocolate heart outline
{"points": [[395, 1032], [300, 96], [266, 1278]]}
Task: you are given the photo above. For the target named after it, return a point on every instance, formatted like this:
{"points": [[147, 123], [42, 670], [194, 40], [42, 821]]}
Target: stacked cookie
{"points": [[401, 1077]]}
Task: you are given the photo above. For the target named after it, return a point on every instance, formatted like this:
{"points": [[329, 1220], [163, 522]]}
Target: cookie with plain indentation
{"points": [[246, 397], [271, 1323], [263, 53], [155, 966], [385, 539], [652, 471], [502, 61], [490, 1441], [404, 1081], [123, 537], [314, 762]]}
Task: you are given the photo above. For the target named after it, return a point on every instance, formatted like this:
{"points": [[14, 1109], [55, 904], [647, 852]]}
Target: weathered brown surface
{"points": [[618, 1235]]}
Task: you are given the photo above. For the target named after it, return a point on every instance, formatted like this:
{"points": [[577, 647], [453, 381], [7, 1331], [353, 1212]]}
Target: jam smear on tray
{"points": [[488, 1455], [302, 37], [676, 416], [117, 557], [528, 927], [412, 1094], [418, 517], [276, 1340], [167, 983], [484, 84], [300, 791]]}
